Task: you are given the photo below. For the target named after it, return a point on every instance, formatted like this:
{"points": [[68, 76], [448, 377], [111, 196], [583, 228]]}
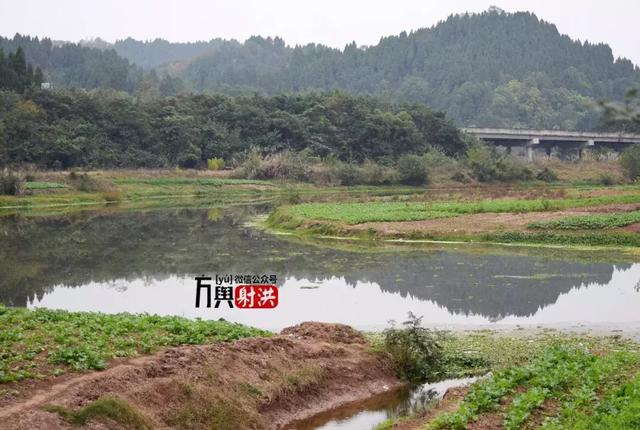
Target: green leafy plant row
{"points": [[42, 342], [590, 222]]}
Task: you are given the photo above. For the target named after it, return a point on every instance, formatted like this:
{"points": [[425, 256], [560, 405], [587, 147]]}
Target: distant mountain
{"points": [[488, 69], [493, 68]]}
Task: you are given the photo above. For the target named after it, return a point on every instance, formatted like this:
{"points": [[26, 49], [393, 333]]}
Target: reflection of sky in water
{"points": [[364, 305]]}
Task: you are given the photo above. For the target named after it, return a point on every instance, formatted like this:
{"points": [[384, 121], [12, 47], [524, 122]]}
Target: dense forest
{"points": [[66, 128], [15, 74], [74, 66], [488, 69]]}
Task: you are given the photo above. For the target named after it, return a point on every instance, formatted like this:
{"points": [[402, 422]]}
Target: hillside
{"points": [[488, 69], [491, 69]]}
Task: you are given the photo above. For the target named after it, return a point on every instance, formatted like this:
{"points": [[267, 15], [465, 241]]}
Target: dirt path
{"points": [[258, 383]]}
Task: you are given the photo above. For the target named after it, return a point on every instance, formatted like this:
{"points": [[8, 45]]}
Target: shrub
{"points": [[547, 175], [215, 163], [412, 170], [112, 196], [459, 176], [348, 174], [374, 173], [607, 179], [283, 165], [435, 158], [188, 160], [11, 183], [415, 350], [487, 165], [83, 182], [630, 162]]}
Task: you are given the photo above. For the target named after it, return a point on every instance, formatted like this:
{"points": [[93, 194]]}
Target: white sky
{"points": [[331, 22]]}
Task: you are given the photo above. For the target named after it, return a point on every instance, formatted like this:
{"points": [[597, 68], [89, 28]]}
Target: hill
{"points": [[489, 69]]}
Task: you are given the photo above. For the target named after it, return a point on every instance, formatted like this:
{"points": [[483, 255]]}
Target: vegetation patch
{"points": [[215, 182], [590, 222], [566, 373], [107, 407], [46, 342], [42, 185], [380, 211]]}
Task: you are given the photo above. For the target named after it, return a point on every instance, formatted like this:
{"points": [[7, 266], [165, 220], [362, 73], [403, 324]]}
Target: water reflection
{"points": [[145, 261]]}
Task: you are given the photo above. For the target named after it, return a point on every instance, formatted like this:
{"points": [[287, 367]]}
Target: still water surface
{"points": [[146, 261]]}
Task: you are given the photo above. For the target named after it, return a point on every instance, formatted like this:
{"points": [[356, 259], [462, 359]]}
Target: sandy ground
{"points": [[256, 383]]}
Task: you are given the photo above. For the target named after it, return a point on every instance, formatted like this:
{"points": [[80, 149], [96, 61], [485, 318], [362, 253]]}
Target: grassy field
{"points": [[40, 343]]}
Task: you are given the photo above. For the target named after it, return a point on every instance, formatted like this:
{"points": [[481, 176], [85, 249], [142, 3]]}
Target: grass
{"points": [[107, 407], [44, 342], [590, 222], [164, 181], [594, 238], [38, 185]]}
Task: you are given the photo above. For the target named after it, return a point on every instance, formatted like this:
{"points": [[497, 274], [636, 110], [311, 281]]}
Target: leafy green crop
{"points": [[590, 222], [357, 213], [567, 373], [38, 342]]}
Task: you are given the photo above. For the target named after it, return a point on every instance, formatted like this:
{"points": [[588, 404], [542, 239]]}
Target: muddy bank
{"points": [[257, 383]]}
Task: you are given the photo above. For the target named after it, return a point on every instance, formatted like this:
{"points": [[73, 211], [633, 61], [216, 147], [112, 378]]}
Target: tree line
{"points": [[105, 128]]}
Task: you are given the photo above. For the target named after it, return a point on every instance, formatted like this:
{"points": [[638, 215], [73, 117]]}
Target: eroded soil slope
{"points": [[256, 383]]}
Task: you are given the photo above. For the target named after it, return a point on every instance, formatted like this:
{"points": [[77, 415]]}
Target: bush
{"points": [[215, 163], [487, 165], [459, 176], [283, 165], [83, 182], [348, 174], [436, 158], [188, 160], [630, 162], [607, 179], [412, 170], [375, 174], [11, 183], [415, 350], [547, 175]]}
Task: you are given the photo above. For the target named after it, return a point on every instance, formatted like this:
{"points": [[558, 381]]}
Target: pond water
{"points": [[115, 261], [371, 412]]}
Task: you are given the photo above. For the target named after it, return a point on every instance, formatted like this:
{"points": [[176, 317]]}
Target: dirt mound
{"points": [[257, 383], [338, 333]]}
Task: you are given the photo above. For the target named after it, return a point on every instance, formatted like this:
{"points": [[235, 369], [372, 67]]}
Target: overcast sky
{"points": [[331, 22]]}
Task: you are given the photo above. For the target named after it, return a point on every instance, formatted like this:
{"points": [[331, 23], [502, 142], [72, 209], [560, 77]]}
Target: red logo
{"points": [[256, 296]]}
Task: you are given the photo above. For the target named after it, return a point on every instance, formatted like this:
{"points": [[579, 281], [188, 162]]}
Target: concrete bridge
{"points": [[533, 141]]}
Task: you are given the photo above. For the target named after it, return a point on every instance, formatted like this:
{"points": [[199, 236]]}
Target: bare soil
{"points": [[256, 383]]}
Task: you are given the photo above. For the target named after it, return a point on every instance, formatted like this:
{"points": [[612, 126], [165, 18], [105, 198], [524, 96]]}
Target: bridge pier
{"points": [[529, 148]]}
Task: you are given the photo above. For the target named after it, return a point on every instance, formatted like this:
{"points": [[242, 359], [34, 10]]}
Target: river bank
{"points": [[267, 382]]}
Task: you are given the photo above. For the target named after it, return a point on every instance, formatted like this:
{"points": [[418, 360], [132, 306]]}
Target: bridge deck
{"points": [[552, 135]]}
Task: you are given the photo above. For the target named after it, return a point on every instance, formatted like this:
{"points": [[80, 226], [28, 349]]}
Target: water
{"points": [[146, 261], [369, 413]]}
